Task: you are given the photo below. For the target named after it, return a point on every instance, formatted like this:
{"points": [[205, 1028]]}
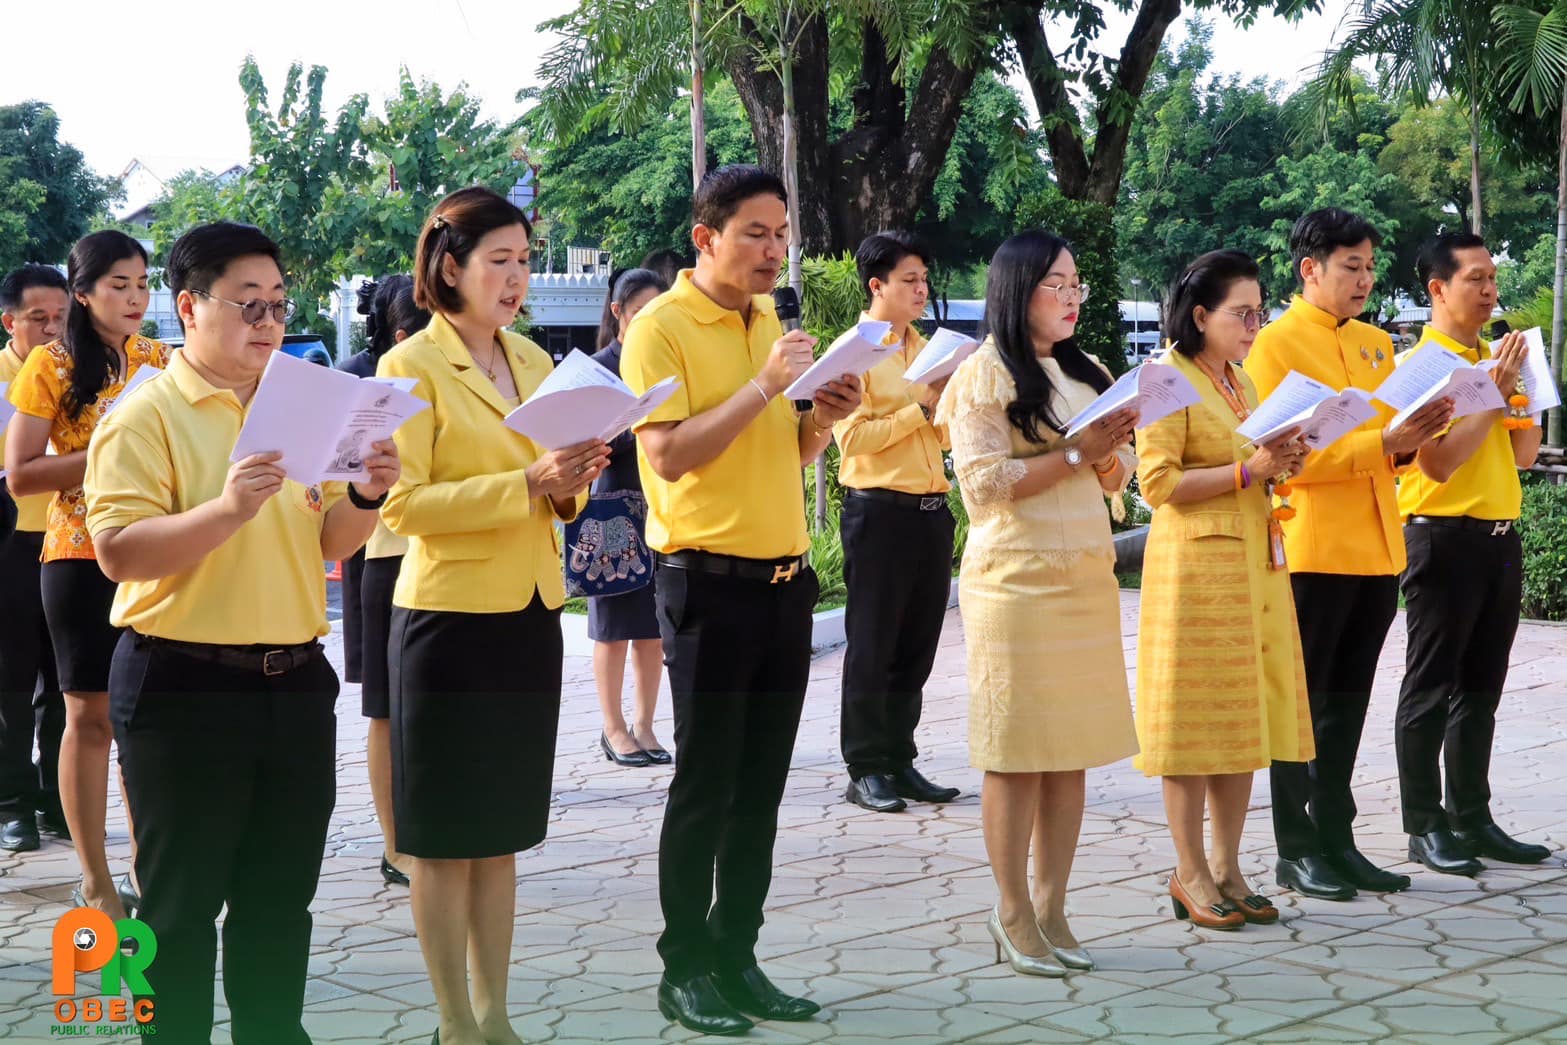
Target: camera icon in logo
{"points": [[85, 939]]}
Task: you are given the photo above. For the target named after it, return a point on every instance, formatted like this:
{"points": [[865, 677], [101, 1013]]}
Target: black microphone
{"points": [[787, 304]]}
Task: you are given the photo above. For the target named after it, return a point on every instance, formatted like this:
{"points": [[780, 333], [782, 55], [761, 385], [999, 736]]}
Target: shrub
{"points": [[1544, 531]]}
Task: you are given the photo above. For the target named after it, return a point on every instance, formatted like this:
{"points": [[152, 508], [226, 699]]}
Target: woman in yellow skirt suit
{"points": [[1041, 612], [1221, 688]]}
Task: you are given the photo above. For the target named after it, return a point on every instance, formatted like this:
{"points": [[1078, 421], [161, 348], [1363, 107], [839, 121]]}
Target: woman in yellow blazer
{"points": [[1221, 690], [475, 645]]}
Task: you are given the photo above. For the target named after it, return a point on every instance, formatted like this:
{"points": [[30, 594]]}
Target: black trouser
{"points": [[897, 565], [231, 780], [353, 617], [739, 656], [30, 700], [1343, 623], [1462, 590]]}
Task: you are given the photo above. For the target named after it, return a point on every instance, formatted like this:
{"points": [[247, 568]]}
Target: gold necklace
{"points": [[489, 368]]}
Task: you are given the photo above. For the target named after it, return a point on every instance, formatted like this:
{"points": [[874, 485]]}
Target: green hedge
{"points": [[1544, 530]]}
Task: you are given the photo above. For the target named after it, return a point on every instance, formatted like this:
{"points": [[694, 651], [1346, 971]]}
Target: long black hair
{"points": [[1205, 283], [93, 363], [388, 306], [623, 286], [1015, 271]]}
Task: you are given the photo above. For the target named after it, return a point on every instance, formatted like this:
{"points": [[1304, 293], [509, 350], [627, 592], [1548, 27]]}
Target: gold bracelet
{"points": [[1115, 462], [818, 431]]}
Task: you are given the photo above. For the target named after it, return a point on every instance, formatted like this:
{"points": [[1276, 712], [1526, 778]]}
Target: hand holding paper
{"points": [[1322, 414], [582, 401], [857, 350], [1155, 390], [1434, 373]]}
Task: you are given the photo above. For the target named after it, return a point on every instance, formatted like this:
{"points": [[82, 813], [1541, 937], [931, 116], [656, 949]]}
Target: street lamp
{"points": [[1137, 315]]}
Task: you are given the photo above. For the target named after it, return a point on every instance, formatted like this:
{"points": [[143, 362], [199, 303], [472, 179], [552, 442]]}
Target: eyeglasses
{"points": [[255, 310], [1067, 295], [1252, 318]]}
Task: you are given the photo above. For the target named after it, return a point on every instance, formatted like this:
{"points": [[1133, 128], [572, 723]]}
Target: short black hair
{"points": [[199, 258], [19, 281], [1318, 234], [1205, 283], [724, 189], [881, 252], [1438, 258]]}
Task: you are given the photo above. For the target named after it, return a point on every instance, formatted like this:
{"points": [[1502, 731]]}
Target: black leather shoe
{"points": [[130, 899], [1313, 876], [874, 791], [52, 822], [911, 783], [390, 874], [1492, 842], [19, 836], [1443, 853], [697, 1005], [751, 991], [1354, 868], [636, 759]]}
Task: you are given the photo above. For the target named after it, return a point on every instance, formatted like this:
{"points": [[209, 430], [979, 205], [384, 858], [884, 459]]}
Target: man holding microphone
{"points": [[721, 463]]}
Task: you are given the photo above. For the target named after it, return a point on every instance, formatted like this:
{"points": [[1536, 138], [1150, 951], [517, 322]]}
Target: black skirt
{"points": [[77, 598], [621, 618], [377, 579], [475, 707]]}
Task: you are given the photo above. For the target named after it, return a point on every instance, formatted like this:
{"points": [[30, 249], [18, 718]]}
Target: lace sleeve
{"points": [[974, 409]]}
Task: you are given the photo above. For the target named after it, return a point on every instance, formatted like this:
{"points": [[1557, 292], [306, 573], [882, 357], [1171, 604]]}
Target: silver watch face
{"points": [[1074, 456]]}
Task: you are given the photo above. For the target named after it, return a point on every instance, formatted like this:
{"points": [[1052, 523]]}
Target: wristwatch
{"points": [[1074, 458], [924, 410]]}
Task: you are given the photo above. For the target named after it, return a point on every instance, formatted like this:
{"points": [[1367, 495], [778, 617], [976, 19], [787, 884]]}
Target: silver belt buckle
{"points": [[931, 504], [1501, 527], [266, 663]]}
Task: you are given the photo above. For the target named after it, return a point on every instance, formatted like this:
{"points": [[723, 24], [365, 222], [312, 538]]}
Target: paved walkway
{"points": [[880, 918]]}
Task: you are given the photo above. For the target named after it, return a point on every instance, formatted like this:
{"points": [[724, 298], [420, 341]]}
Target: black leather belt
{"points": [[773, 571], [929, 502], [269, 661], [1489, 527]]}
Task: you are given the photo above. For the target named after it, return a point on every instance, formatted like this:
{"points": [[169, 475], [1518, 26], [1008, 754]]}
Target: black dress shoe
{"points": [[52, 821], [19, 836], [391, 874], [130, 899], [636, 759], [655, 755], [697, 1005], [874, 791], [910, 783], [1443, 853], [1354, 868], [1492, 842], [751, 991], [1313, 876]]}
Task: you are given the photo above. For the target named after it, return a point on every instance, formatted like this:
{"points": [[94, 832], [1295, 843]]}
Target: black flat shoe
{"points": [[19, 836], [636, 759], [1443, 853], [1493, 843], [910, 783], [697, 1005], [1312, 876], [391, 874], [752, 992], [52, 822], [656, 755], [1355, 869], [874, 791]]}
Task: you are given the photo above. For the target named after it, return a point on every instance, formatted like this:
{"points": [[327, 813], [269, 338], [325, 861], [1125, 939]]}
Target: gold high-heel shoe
{"points": [[1072, 957], [1027, 964]]}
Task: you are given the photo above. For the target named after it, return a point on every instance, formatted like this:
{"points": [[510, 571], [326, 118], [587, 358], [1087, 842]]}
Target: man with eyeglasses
{"points": [[1344, 546], [33, 302]]}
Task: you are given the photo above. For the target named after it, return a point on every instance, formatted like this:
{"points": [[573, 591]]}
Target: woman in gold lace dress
{"points": [[1041, 615]]}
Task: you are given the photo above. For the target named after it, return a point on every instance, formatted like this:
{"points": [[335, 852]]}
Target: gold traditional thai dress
{"points": [[1041, 608], [1221, 687]]}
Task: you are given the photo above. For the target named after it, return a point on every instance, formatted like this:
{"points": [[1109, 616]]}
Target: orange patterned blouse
{"points": [[38, 391]]}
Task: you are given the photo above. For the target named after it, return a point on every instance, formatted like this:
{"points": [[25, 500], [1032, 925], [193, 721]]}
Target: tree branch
{"points": [[1047, 83], [1118, 107]]}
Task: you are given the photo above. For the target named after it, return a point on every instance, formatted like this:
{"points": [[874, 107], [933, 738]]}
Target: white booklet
{"points": [[1157, 390], [1433, 372], [941, 355], [582, 400], [7, 411], [141, 377], [855, 351], [1536, 380], [323, 420], [1323, 414]]}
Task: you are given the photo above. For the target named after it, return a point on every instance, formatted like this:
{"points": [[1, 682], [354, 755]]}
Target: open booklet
{"points": [[141, 377], [7, 411], [1433, 372], [582, 400], [1157, 390], [856, 350], [322, 420], [1323, 414], [941, 355], [1535, 380]]}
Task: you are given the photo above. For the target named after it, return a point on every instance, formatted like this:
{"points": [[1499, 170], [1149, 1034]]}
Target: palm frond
{"points": [[1532, 56]]}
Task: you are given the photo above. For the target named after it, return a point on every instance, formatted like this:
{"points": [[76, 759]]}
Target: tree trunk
{"points": [[1476, 218], [1559, 291], [698, 114]]}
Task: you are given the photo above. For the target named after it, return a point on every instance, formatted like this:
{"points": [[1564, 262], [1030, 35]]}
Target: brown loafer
{"points": [[1224, 915]]}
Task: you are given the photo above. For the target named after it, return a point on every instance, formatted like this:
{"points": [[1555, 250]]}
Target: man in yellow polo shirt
{"points": [[33, 303], [1464, 583], [1344, 547], [220, 695], [897, 541], [721, 463]]}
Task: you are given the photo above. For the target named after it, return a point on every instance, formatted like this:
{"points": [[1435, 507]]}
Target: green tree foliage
{"points": [[1520, 279], [48, 195], [1090, 228]]}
